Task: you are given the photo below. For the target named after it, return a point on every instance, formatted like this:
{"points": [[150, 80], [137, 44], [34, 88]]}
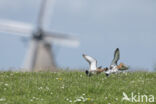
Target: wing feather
{"points": [[92, 62], [116, 57]]}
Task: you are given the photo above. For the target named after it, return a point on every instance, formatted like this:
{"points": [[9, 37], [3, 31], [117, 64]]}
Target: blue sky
{"points": [[101, 26]]}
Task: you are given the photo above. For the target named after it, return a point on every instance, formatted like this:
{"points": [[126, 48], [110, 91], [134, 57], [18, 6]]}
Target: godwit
{"points": [[93, 69]]}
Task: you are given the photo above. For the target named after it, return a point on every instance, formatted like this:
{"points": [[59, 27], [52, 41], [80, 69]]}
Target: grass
{"points": [[73, 87]]}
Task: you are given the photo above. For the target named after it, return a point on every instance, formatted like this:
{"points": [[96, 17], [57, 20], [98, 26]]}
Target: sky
{"points": [[101, 27]]}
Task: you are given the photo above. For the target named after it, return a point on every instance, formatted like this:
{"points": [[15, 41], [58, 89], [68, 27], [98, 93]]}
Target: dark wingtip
{"points": [[83, 55], [107, 74], [117, 49]]}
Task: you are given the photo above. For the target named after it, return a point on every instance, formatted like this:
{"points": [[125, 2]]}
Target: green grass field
{"points": [[71, 87]]}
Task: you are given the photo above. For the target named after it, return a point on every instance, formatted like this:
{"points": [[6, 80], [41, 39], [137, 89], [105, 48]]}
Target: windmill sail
{"points": [[61, 39], [18, 28], [45, 13]]}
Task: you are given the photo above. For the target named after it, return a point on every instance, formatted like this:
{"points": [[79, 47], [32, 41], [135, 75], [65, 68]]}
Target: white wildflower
{"points": [[81, 97], [6, 84], [77, 100], [62, 86], [40, 88], [85, 99], [47, 88], [2, 99], [70, 101], [59, 79]]}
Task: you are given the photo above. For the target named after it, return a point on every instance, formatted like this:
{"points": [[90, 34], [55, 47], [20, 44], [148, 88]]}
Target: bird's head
{"points": [[122, 66], [105, 69]]}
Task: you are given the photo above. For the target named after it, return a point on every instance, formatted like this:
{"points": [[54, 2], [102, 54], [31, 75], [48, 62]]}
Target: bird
{"points": [[93, 69], [114, 67]]}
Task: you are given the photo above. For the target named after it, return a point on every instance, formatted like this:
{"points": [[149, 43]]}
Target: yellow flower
{"points": [[59, 79], [88, 99]]}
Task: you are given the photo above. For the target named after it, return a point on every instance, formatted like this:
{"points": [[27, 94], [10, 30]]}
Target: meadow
{"points": [[73, 87]]}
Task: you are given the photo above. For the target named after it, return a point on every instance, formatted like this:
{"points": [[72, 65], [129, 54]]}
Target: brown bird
{"points": [[93, 69], [114, 67]]}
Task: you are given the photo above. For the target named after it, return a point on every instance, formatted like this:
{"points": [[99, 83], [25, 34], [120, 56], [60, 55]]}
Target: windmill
{"points": [[39, 55]]}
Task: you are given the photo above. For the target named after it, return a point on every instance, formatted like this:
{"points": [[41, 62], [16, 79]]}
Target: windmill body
{"points": [[39, 56]]}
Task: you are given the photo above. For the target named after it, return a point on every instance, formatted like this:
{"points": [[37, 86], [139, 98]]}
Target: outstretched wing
{"points": [[92, 62], [116, 57]]}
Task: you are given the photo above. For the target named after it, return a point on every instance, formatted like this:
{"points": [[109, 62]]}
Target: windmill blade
{"points": [[18, 28], [61, 39], [45, 13]]}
